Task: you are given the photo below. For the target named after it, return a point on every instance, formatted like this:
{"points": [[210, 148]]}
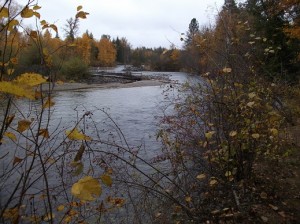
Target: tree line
{"points": [[266, 33]]}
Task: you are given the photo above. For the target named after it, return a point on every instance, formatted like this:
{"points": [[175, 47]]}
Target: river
{"points": [[135, 111]]}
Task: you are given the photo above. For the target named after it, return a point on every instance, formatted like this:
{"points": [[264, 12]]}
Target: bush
{"points": [[75, 69]]}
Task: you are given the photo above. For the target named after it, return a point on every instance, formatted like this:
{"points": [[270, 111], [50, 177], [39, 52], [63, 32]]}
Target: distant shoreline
{"points": [[73, 86]]}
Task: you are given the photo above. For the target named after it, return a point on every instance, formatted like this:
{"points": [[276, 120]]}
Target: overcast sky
{"points": [[149, 23]]}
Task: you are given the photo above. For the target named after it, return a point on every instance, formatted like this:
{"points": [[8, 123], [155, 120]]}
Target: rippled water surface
{"points": [[135, 111]]}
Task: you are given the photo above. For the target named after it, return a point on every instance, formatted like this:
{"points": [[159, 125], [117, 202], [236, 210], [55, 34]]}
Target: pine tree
{"points": [[192, 32]]}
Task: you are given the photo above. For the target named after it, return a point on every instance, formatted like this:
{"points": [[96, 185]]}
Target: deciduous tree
{"points": [[107, 52]]}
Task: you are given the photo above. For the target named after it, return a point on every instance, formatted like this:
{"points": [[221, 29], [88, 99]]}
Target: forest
{"points": [[229, 144]]}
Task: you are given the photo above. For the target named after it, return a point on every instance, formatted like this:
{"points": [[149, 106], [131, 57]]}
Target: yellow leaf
{"points": [[201, 176], [232, 133], [250, 104], [44, 133], [10, 71], [10, 135], [17, 90], [49, 103], [23, 125], [188, 199], [54, 27], [274, 131], [251, 95], [213, 182], [27, 13], [255, 135], [79, 8], [37, 15], [60, 208], [49, 217], [86, 188], [31, 79], [227, 70], [43, 22], [106, 179], [67, 219], [36, 7], [209, 134], [228, 174], [12, 24], [4, 12], [81, 14], [76, 135], [9, 119]]}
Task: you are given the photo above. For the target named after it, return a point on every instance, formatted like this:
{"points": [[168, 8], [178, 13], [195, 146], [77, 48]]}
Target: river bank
{"points": [[67, 86]]}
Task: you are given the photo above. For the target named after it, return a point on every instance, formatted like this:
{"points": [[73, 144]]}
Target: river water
{"points": [[134, 111]]}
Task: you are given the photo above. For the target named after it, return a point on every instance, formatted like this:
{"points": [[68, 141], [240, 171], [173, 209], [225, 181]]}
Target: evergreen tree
{"points": [[270, 21], [192, 32]]}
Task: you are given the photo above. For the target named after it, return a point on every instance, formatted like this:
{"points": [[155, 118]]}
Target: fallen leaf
{"points": [[188, 199], [264, 219], [256, 135], [263, 195], [213, 182], [251, 95], [275, 208], [228, 173], [250, 104], [201, 176], [232, 133], [227, 70], [208, 135]]}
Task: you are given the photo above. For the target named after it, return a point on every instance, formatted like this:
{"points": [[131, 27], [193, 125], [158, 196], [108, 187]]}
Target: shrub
{"points": [[75, 69]]}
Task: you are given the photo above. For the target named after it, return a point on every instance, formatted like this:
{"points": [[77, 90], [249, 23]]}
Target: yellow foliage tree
{"points": [[84, 48], [107, 52]]}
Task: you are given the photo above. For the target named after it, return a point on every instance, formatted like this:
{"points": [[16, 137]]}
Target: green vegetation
{"points": [[230, 150], [74, 69]]}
